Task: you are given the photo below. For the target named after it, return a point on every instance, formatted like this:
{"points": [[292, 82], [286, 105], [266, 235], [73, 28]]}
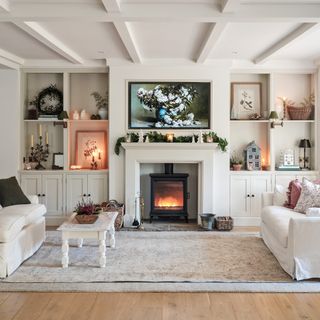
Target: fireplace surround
{"points": [[196, 153]]}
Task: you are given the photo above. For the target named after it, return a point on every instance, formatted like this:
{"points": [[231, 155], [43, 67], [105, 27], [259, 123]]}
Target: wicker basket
{"points": [[224, 223], [115, 206], [86, 218], [303, 113]]}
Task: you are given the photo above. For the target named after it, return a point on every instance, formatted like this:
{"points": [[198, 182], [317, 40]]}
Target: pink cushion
{"points": [[294, 191]]}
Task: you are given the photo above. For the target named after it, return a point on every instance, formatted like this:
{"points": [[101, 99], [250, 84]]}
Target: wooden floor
{"points": [[154, 306]]}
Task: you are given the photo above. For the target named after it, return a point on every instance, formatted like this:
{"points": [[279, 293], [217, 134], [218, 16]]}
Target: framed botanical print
{"points": [[246, 99], [91, 148]]}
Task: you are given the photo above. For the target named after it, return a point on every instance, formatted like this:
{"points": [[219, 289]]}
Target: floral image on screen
{"points": [[169, 105]]}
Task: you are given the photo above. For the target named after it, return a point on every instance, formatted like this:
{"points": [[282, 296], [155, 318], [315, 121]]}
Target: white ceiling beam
{"points": [[228, 6], [5, 5], [42, 35], [175, 12], [211, 40], [111, 5], [9, 64], [11, 57], [126, 37], [10, 60], [286, 41], [123, 30]]}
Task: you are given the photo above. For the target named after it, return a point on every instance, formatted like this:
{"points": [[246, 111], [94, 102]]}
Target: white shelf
{"points": [[251, 121], [43, 120], [298, 121]]}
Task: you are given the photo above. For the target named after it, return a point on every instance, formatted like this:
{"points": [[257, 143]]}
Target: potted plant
{"points": [[210, 137], [87, 212], [101, 103], [236, 162]]}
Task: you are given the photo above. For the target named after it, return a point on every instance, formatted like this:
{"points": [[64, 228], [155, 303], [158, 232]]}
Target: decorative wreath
{"points": [[50, 101]]}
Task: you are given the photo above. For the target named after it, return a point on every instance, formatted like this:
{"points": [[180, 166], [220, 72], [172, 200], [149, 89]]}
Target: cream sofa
{"points": [[293, 238], [22, 231]]}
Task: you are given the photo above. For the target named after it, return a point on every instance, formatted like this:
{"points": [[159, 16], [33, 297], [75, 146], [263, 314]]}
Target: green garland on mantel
{"points": [[155, 137]]}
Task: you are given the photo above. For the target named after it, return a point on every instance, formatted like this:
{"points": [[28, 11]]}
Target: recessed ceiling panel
{"points": [[91, 40], [248, 40], [18, 42], [165, 40]]}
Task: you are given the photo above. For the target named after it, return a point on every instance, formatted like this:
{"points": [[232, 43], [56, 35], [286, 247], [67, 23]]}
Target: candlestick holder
{"points": [[39, 154], [94, 163]]}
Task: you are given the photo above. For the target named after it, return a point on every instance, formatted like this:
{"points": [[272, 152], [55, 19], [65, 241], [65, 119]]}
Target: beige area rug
{"points": [[157, 261]]}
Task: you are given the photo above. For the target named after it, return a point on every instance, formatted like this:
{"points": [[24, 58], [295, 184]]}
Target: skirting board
{"points": [[238, 221], [247, 221]]}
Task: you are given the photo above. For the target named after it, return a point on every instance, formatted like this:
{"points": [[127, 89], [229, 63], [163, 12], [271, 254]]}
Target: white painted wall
{"points": [[219, 75], [9, 123]]}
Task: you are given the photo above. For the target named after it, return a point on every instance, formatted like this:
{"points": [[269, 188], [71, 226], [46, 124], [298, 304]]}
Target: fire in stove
{"points": [[169, 195], [169, 203]]}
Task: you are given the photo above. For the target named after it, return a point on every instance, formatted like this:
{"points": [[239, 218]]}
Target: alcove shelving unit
{"points": [[60, 190], [246, 186]]}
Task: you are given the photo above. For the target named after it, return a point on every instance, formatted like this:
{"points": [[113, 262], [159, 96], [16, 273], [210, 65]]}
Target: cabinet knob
{"points": [[84, 195], [89, 195], [39, 195], [43, 195], [248, 195], [252, 195]]}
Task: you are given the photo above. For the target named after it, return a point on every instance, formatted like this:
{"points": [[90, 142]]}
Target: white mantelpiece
{"points": [[139, 153]]}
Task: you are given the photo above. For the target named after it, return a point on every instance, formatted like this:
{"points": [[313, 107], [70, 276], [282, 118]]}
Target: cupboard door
{"points": [[98, 187], [52, 194], [240, 196], [259, 185], [31, 184], [76, 190]]}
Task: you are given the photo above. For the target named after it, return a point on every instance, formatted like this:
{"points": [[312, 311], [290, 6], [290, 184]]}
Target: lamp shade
{"points": [[273, 115], [304, 143]]}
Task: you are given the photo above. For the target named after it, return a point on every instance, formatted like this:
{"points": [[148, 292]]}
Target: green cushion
{"points": [[11, 193]]}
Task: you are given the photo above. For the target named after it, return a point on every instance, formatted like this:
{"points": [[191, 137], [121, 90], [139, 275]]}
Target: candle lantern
{"points": [[305, 154], [169, 137]]}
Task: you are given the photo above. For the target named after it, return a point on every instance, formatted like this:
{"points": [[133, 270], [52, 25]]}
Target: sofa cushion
{"points": [[294, 191], [11, 193], [31, 212], [277, 219], [310, 196], [10, 226]]}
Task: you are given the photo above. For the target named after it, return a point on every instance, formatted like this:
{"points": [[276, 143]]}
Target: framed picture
{"points": [[169, 105], [91, 148], [245, 99], [57, 163]]}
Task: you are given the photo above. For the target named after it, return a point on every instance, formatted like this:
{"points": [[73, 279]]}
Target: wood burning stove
{"points": [[169, 195]]}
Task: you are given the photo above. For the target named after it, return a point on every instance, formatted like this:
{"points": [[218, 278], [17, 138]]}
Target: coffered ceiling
{"points": [[89, 32]]}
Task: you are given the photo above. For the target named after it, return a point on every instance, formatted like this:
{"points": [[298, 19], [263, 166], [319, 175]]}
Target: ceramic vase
{"points": [[103, 113]]}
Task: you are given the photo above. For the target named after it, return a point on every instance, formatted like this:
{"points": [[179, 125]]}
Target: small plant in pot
{"points": [[87, 212], [102, 104], [236, 162]]}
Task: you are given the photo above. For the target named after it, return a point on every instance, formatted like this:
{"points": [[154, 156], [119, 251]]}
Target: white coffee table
{"points": [[71, 229]]}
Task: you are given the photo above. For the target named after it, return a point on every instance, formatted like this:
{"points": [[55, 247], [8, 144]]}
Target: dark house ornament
{"points": [[50, 101]]}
